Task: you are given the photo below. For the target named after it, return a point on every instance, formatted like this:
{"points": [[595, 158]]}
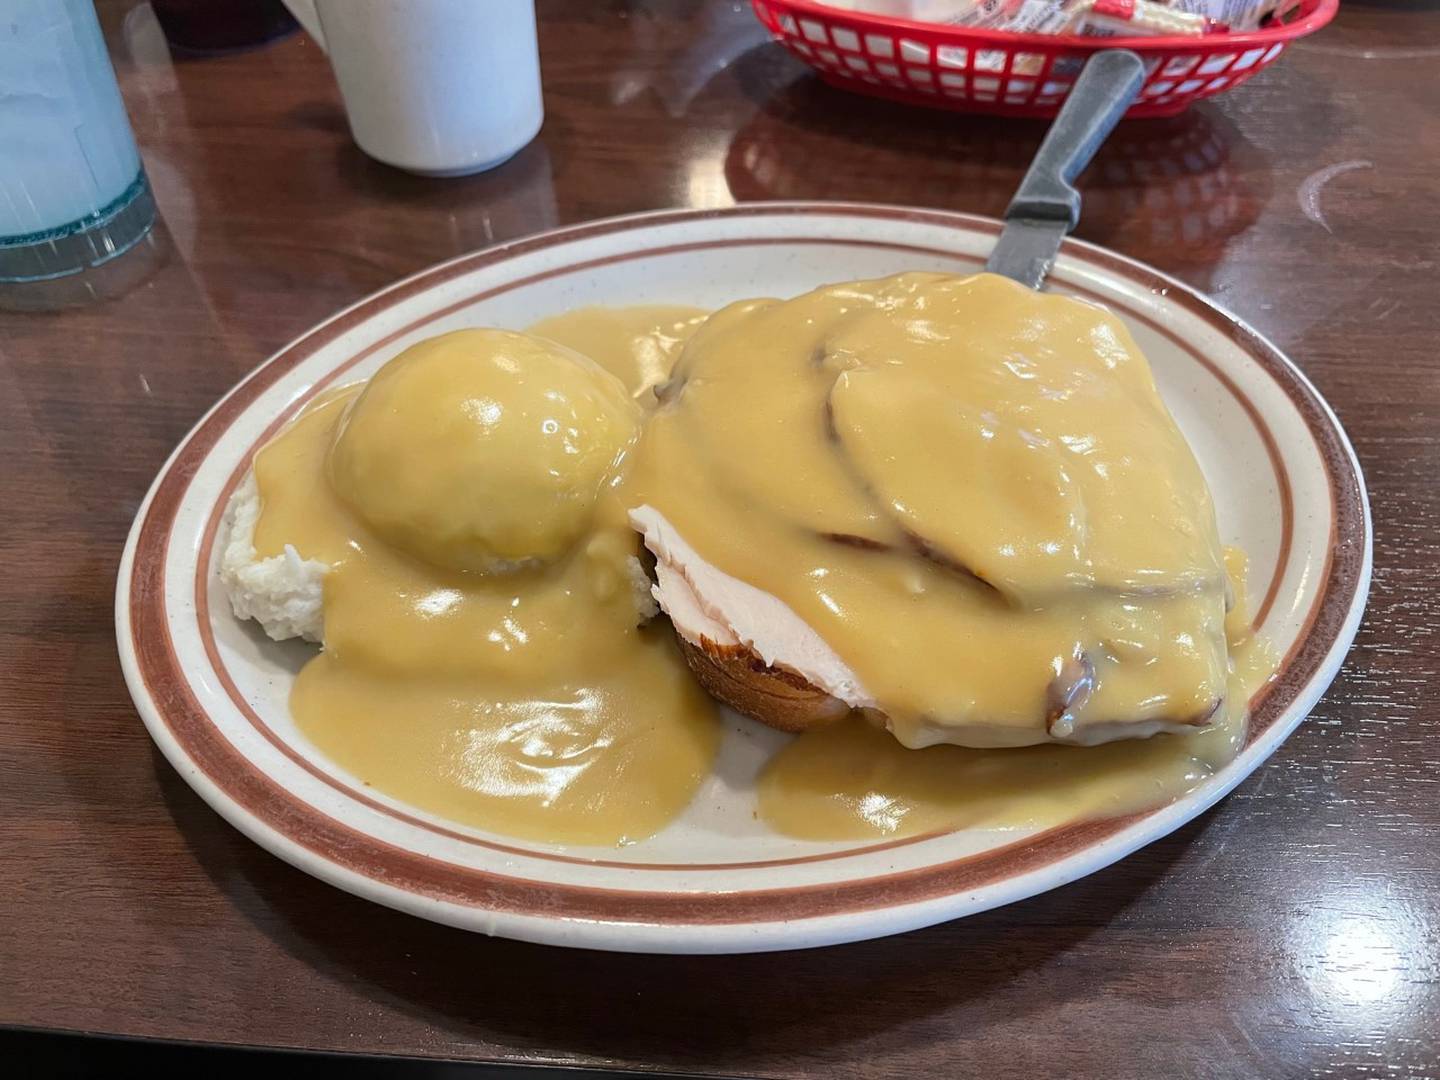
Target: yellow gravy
{"points": [[529, 703], [638, 344], [854, 781], [976, 497], [972, 492]]}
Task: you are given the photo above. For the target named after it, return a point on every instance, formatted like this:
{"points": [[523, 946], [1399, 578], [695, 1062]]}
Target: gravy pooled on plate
{"points": [[970, 492], [968, 514], [483, 659]]}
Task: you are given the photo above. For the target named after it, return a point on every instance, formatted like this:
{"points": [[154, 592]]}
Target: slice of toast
{"points": [[735, 676], [754, 654]]}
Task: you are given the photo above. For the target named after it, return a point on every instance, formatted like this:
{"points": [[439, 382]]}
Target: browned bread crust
{"points": [[737, 677]]}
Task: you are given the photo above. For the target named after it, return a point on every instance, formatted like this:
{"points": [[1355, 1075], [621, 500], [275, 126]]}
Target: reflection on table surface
{"points": [[1290, 931]]}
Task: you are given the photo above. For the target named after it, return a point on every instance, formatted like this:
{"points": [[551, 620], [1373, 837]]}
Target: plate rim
{"points": [[1351, 562]]}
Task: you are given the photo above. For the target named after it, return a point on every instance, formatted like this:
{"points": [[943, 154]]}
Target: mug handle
{"points": [[306, 15]]}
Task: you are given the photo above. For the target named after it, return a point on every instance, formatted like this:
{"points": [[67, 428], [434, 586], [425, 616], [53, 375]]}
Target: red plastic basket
{"points": [[993, 71]]}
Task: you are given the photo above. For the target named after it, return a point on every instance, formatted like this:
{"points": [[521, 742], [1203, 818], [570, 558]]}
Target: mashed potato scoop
{"points": [[479, 451], [482, 450]]}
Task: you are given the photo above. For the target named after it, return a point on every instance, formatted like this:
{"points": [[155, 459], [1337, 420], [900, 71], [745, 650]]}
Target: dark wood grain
{"points": [[1291, 931]]}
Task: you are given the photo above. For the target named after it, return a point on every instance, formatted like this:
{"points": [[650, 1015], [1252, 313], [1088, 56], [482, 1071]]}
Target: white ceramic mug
{"points": [[436, 87]]}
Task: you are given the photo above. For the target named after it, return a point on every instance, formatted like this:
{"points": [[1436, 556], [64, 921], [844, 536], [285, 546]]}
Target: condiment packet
{"points": [[1237, 15], [1043, 17], [1098, 18], [1136, 18], [959, 12], [1017, 15]]}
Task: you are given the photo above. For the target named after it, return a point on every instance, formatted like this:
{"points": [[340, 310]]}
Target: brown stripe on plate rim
{"points": [[202, 605], [572, 268], [261, 798]]}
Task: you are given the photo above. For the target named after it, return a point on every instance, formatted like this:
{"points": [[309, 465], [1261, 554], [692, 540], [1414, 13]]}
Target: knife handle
{"points": [[1099, 98]]}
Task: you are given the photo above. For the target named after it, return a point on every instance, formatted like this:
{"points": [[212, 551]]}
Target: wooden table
{"points": [[1291, 931]]}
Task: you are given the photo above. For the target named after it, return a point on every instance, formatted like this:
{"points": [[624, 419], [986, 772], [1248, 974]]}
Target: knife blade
{"points": [[1046, 206]]}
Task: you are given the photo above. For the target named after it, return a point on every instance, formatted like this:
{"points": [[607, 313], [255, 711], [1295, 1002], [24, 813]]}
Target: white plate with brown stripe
{"points": [[1287, 489]]}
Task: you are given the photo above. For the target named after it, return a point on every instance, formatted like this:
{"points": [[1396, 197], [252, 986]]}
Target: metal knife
{"points": [[1047, 206]]}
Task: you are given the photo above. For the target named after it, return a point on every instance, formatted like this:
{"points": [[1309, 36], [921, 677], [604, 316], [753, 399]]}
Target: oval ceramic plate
{"points": [[213, 691]]}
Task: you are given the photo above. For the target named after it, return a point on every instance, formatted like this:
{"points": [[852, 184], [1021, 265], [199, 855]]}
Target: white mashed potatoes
{"points": [[281, 593], [284, 592]]}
